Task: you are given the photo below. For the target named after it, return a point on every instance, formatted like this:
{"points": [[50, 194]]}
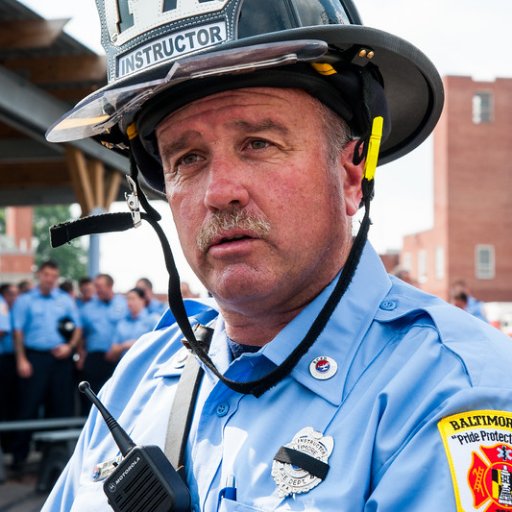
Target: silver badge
{"points": [[323, 367], [294, 480], [104, 469]]}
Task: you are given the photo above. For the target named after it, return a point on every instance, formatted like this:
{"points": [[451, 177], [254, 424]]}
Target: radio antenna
{"points": [[121, 438]]}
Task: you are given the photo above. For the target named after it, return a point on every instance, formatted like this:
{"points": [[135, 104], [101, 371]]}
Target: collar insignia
{"points": [[323, 368]]}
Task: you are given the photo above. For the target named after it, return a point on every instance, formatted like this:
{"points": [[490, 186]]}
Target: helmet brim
{"points": [[413, 87]]}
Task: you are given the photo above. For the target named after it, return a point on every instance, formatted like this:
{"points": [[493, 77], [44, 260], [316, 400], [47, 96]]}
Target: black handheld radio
{"points": [[145, 479]]}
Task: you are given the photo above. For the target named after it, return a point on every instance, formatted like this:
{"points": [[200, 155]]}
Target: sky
{"points": [[461, 37]]}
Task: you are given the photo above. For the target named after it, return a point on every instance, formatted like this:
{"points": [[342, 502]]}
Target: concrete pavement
{"points": [[18, 493]]}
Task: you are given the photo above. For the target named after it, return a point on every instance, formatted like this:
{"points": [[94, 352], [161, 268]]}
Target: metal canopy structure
{"points": [[43, 73]]}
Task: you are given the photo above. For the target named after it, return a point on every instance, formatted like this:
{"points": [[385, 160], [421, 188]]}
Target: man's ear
{"points": [[353, 178]]}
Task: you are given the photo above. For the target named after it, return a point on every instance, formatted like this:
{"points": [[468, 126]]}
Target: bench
{"points": [[41, 425], [57, 447]]}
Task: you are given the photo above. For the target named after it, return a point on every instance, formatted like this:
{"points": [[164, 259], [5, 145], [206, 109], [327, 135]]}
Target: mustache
{"points": [[223, 221]]}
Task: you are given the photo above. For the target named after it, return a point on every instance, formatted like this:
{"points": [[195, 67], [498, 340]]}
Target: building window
{"points": [[439, 262], [482, 107], [422, 266], [485, 262], [407, 261]]}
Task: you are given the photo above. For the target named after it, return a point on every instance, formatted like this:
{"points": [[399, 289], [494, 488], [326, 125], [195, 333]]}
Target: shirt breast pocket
{"points": [[38, 310], [61, 309]]}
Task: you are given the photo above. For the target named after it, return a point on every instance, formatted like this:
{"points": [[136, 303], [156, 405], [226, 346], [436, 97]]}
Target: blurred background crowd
{"points": [[55, 333]]}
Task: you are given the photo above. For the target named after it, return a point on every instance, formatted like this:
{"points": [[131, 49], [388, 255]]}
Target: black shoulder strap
{"points": [[182, 409]]}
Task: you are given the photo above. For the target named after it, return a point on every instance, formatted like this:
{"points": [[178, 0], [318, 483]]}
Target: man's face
{"points": [[460, 303], [260, 154], [135, 303], [48, 278], [11, 293], [87, 291], [103, 289], [143, 286]]}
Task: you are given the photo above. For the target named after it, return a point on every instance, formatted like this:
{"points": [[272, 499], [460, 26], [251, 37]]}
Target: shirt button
{"points": [[222, 410], [388, 305]]}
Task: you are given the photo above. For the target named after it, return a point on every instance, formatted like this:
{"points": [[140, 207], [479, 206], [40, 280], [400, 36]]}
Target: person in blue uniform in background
{"points": [[328, 384], [472, 305], [100, 317], [153, 305], [86, 291], [137, 322], [43, 354]]}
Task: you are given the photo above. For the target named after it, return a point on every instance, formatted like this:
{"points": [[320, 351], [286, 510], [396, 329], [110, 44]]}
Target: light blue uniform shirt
{"points": [[100, 319], [6, 346], [156, 307], [81, 303], [38, 315], [476, 308], [405, 360], [132, 328]]}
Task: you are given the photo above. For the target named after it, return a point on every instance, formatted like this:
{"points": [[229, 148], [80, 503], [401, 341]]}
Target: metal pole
{"points": [[93, 264]]}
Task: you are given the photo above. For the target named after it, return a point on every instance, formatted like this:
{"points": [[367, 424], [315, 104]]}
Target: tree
{"points": [[72, 257], [2, 221]]}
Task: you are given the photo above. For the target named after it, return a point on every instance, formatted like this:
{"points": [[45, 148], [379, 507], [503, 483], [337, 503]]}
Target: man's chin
{"points": [[238, 283]]}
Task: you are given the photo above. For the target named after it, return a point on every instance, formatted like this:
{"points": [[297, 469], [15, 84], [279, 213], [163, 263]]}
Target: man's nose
{"points": [[227, 184]]}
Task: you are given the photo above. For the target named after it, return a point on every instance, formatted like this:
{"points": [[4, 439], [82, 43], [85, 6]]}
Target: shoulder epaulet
{"points": [[477, 344]]}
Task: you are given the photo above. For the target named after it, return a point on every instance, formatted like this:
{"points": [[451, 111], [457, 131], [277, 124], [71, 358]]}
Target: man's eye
{"points": [[185, 164], [259, 144], [188, 159]]}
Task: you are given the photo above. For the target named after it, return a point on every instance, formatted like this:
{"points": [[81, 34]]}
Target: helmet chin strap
{"points": [[67, 231]]}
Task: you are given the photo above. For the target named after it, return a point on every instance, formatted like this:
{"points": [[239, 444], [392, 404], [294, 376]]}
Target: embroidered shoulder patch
{"points": [[478, 446]]}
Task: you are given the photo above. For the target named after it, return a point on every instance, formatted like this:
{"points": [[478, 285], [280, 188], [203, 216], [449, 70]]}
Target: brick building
{"points": [[16, 252], [391, 260], [472, 234]]}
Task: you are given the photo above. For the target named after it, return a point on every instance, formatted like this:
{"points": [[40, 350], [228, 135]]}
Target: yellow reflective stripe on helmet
{"points": [[372, 156], [131, 131], [323, 68]]}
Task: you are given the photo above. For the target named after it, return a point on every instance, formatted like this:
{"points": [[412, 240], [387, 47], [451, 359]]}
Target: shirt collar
{"points": [[343, 333], [339, 340], [53, 293], [141, 315], [201, 311]]}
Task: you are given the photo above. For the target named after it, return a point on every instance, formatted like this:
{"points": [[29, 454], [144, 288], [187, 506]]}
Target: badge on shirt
{"points": [[301, 465], [478, 445]]}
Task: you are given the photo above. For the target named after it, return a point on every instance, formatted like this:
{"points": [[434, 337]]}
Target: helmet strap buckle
{"points": [[132, 199]]}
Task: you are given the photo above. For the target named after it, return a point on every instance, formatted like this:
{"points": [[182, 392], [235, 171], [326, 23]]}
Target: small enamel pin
{"points": [[323, 368], [302, 464]]}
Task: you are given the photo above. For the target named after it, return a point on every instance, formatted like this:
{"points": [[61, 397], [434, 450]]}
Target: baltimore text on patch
{"points": [[481, 420], [173, 45]]}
